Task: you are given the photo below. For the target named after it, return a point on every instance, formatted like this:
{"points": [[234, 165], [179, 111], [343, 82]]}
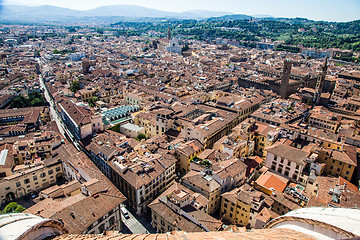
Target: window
{"points": [[18, 184], [35, 178], [42, 175], [101, 228], [8, 188], [50, 171], [162, 222], [112, 221], [169, 228], [225, 205], [26, 181], [90, 227]]}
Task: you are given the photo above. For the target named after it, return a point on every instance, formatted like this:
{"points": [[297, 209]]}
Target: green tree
{"points": [[140, 136], [20, 102], [36, 102], [92, 101], [99, 30], [115, 128], [74, 86], [34, 99], [13, 207], [185, 47]]}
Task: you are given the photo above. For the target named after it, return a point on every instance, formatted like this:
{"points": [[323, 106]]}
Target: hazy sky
{"points": [[330, 10]]}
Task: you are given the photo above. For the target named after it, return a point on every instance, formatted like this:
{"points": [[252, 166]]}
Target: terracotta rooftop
{"points": [[271, 180], [290, 153], [267, 234]]}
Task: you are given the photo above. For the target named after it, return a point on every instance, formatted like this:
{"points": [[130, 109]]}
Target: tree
{"points": [[92, 101], [34, 99], [140, 136], [74, 86], [36, 102], [185, 47], [13, 207], [19, 102], [99, 30], [115, 128]]}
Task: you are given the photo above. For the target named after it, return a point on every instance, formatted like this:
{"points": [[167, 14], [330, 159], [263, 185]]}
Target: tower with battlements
{"points": [[285, 79], [320, 83]]}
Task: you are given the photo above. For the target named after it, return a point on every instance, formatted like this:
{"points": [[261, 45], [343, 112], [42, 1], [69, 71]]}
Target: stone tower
{"points": [[320, 83], [285, 79], [85, 65], [168, 33]]}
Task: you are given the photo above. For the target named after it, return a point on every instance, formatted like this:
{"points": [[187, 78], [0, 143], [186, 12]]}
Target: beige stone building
{"points": [[29, 179], [205, 185], [179, 208]]}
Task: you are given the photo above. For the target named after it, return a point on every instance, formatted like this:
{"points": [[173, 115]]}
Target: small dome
{"points": [[27, 226]]}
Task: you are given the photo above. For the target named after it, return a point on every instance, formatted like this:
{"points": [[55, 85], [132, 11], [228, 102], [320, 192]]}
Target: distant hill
{"points": [[204, 13], [262, 16], [127, 11], [230, 17], [47, 13], [17, 11]]}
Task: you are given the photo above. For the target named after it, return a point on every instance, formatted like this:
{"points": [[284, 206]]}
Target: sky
{"points": [[329, 10]]}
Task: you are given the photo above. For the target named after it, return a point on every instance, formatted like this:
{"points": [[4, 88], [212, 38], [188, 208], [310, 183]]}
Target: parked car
{"points": [[124, 212]]}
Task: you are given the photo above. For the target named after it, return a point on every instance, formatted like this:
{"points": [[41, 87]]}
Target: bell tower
{"points": [[168, 33]]}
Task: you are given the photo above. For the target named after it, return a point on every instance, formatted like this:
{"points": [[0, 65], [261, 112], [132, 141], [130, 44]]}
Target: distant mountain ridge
{"points": [[231, 17], [52, 13]]}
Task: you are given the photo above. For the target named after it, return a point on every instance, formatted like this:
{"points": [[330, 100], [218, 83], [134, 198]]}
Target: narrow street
{"points": [[132, 223], [55, 115]]}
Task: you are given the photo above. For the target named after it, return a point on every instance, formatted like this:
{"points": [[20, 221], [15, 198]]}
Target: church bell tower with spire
{"points": [[168, 33]]}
